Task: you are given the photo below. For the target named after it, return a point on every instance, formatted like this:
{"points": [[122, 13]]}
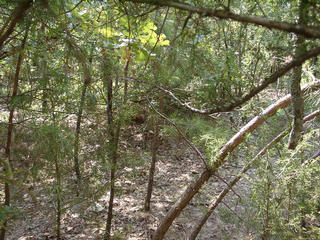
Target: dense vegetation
{"points": [[93, 93]]}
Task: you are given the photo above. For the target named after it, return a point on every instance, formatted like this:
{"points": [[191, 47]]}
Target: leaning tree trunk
{"points": [[197, 228], [7, 162], [297, 98], [237, 139]]}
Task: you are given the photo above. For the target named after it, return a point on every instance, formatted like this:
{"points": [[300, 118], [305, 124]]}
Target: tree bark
{"points": [[224, 192], [297, 98], [114, 140], [154, 152], [112, 155], [177, 208], [154, 147], [58, 192], [77, 136]]}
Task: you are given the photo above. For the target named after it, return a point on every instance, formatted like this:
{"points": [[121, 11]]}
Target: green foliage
{"points": [[290, 192]]}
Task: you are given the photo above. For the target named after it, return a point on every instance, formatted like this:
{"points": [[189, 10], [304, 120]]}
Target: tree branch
{"points": [[257, 121], [307, 31], [265, 83]]}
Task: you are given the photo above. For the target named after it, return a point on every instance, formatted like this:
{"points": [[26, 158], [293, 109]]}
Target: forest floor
{"points": [[85, 218]]}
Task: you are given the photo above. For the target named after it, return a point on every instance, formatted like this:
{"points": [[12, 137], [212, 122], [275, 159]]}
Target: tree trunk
{"points": [[7, 162], [113, 155], [155, 146], [114, 141], [297, 98], [58, 192], [177, 208], [87, 80], [266, 228], [44, 76], [77, 136]]}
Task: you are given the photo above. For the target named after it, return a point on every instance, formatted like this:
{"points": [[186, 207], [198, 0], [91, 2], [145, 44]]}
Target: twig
{"points": [[232, 211]]}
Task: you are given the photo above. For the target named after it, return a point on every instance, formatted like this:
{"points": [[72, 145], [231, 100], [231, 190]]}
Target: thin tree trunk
{"points": [[237, 139], [114, 141], [266, 228], [44, 76], [297, 98], [7, 162], [112, 153], [112, 182], [87, 80], [177, 208], [77, 136], [58, 192], [197, 228], [155, 147]]}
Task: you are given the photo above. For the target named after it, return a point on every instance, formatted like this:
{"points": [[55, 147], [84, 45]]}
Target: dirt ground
{"points": [[84, 216]]}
